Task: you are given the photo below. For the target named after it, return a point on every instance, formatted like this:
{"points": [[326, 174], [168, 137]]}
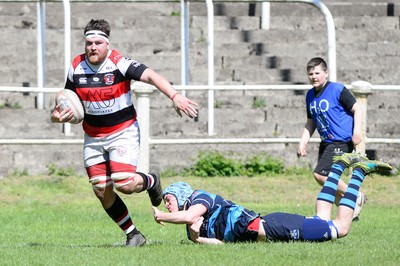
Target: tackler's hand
{"points": [[156, 214]]}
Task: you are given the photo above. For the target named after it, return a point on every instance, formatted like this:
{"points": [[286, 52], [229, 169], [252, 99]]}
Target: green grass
{"points": [[58, 221]]}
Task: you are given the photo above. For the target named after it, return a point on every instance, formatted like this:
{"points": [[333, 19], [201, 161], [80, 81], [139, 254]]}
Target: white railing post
{"points": [[184, 43], [143, 92], [67, 52], [361, 90], [41, 10], [210, 43], [330, 24]]}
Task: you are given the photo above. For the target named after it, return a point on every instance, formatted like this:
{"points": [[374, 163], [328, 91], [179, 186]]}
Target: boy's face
{"points": [[318, 77], [171, 203]]}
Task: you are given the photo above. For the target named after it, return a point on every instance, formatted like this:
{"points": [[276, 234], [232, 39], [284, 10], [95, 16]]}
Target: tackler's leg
{"points": [[347, 205]]}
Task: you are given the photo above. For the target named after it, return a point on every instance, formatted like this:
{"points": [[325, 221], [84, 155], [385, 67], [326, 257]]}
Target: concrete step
{"points": [[337, 9], [32, 123], [341, 22], [226, 22]]}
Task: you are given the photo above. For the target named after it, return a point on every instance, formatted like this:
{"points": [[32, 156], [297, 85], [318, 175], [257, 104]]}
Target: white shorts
{"points": [[114, 156]]}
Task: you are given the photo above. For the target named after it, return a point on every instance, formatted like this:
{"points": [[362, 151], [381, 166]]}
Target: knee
{"points": [[343, 232], [127, 189], [319, 178], [99, 185], [343, 229], [127, 183]]}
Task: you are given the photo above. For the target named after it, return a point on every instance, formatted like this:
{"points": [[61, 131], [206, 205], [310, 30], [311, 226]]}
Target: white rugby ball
{"points": [[69, 99]]}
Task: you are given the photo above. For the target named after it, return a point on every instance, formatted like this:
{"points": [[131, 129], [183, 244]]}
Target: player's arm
{"points": [[308, 131], [151, 77], [349, 102], [213, 241], [180, 217], [357, 132], [181, 103], [194, 233]]}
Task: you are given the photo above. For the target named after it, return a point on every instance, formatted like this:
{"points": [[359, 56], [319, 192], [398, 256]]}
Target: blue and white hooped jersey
{"points": [[224, 220]]}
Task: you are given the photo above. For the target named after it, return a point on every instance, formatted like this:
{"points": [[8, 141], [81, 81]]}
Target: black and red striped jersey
{"points": [[105, 92]]}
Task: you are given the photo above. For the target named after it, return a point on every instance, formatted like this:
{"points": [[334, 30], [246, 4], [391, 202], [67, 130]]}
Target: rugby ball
{"points": [[69, 99]]}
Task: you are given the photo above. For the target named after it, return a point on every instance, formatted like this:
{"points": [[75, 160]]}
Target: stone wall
{"points": [[367, 34], [282, 116]]}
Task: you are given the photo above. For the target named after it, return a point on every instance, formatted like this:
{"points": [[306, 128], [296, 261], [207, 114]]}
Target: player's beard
{"points": [[96, 58]]}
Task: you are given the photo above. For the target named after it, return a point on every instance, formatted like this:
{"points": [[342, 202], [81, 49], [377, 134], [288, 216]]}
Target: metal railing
{"points": [[143, 91], [331, 35]]}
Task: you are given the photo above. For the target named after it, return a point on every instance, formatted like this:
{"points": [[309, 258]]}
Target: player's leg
{"points": [[280, 226], [99, 174], [323, 167], [318, 230], [347, 204], [326, 197], [349, 159], [325, 159], [123, 148]]}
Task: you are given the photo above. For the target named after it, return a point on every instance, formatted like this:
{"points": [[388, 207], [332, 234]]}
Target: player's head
{"points": [[181, 192], [98, 25], [97, 33], [317, 72], [317, 61]]}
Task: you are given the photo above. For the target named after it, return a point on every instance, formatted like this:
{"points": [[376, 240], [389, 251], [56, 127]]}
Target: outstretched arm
{"points": [[180, 217], [181, 103]]}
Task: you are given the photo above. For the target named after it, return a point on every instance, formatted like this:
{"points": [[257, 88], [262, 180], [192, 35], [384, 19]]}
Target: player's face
{"points": [[96, 50], [171, 203], [318, 77]]}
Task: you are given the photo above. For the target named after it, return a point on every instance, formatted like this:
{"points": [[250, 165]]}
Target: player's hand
{"points": [[302, 151], [59, 116], [181, 103], [194, 229], [156, 214]]}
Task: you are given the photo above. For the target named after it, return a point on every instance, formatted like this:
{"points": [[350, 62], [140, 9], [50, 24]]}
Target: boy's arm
{"points": [[180, 217], [194, 233]]}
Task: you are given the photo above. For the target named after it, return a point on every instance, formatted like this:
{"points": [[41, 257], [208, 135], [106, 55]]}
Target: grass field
{"points": [[58, 221]]}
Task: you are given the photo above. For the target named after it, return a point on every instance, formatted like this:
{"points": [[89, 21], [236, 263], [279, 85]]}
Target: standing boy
{"points": [[337, 116]]}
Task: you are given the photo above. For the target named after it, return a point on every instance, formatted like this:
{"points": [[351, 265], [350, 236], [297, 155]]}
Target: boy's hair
{"points": [[98, 24], [317, 61]]}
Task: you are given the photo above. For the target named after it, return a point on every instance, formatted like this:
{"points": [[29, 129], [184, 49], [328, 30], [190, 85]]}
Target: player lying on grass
{"points": [[211, 219]]}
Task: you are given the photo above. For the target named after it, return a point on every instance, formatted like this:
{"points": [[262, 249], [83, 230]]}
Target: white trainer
{"points": [[361, 200]]}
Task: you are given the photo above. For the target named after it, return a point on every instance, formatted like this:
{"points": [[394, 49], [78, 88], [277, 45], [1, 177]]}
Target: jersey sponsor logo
{"points": [[96, 100], [109, 79], [83, 80], [136, 64], [95, 81]]}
